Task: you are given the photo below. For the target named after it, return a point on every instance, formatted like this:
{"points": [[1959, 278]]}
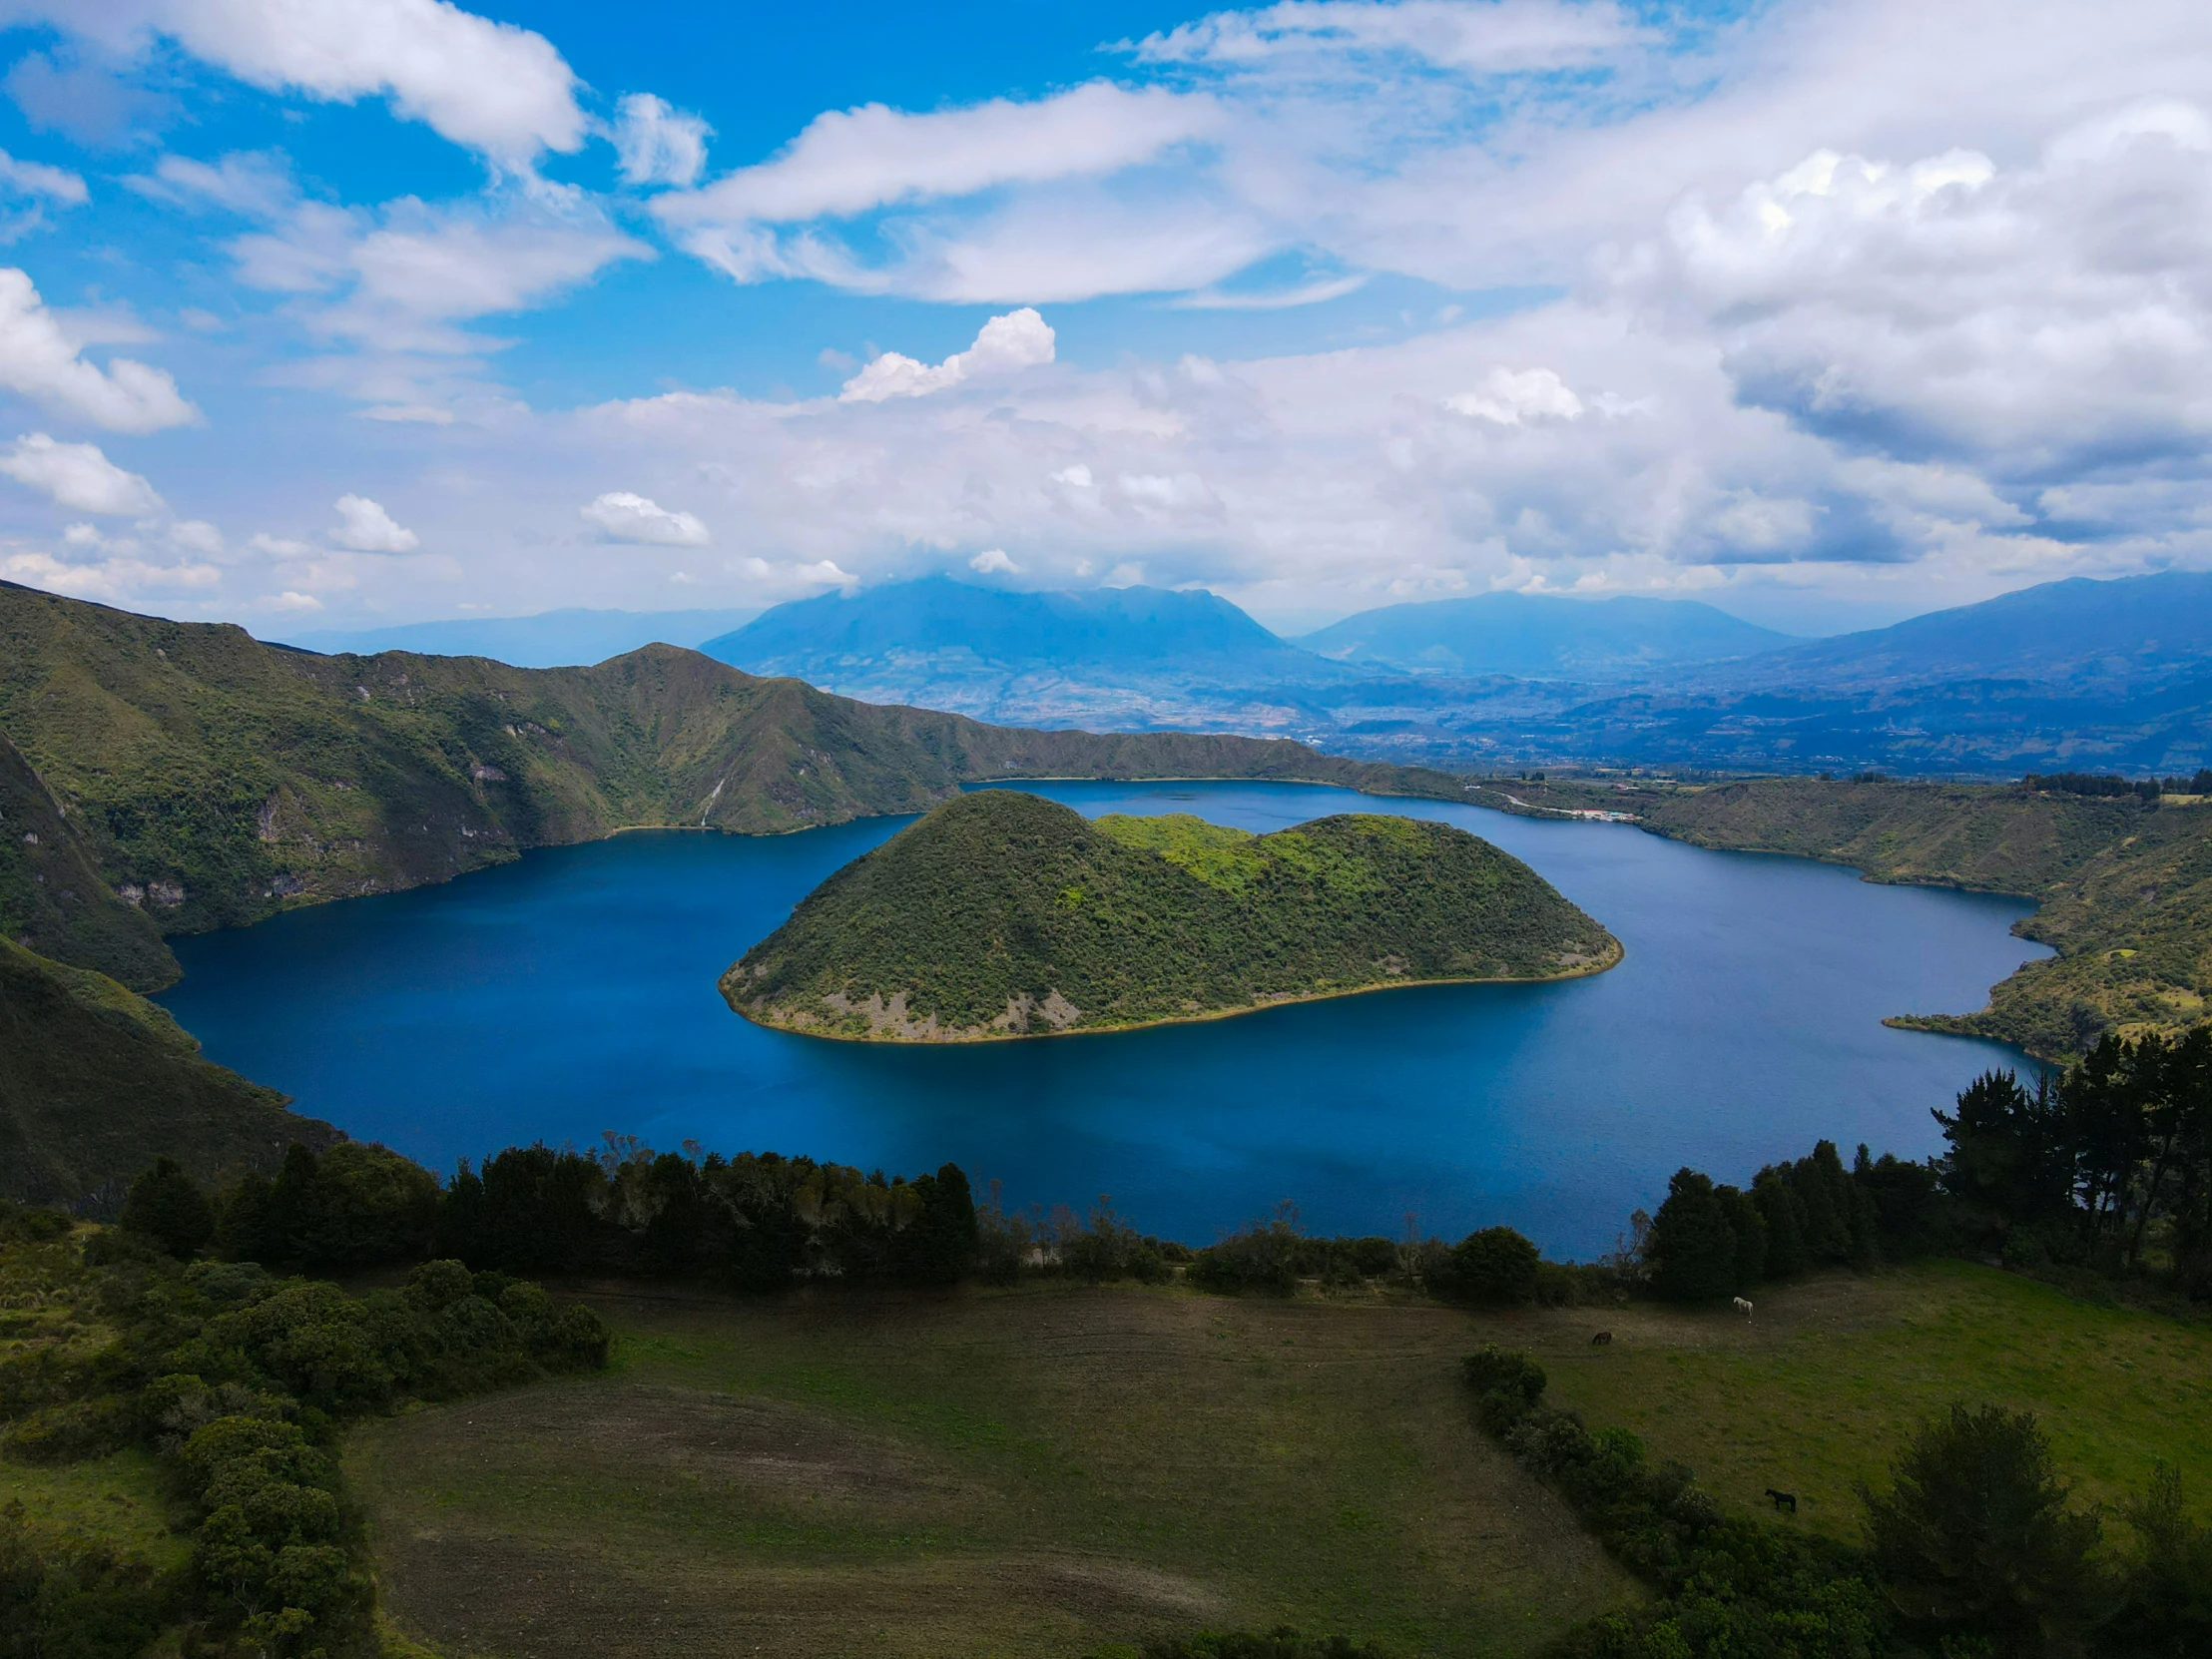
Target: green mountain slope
{"points": [[96, 1083], [52, 899], [2125, 888], [1004, 915], [216, 779]]}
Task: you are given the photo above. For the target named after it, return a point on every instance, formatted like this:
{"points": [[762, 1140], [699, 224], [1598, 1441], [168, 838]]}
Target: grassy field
{"points": [[1033, 1473], [117, 1499], [1041, 1471], [1812, 1395]]}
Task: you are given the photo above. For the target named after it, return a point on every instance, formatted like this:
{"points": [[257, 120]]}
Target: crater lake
{"points": [[573, 993]]}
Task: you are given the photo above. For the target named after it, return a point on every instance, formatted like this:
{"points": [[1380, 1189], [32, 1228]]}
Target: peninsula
{"points": [[1004, 915]]}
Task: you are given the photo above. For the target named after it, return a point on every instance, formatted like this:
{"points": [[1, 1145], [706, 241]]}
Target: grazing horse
{"points": [[1601, 1339], [1783, 1500], [1743, 1308]]}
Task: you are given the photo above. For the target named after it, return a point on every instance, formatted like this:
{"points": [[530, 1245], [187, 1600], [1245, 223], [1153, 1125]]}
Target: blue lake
{"points": [[573, 992]]}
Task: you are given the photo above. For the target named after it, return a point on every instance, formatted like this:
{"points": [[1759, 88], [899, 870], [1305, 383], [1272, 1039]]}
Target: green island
{"points": [[1003, 915]]}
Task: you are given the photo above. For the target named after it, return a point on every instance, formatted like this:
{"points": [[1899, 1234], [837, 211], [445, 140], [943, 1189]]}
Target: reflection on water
{"points": [[574, 993]]}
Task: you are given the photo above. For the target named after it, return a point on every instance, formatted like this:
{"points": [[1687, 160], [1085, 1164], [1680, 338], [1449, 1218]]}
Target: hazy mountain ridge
{"points": [[2095, 674], [1539, 636], [550, 639]]}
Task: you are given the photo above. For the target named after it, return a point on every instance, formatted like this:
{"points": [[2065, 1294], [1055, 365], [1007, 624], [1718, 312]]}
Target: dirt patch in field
{"points": [[762, 1446], [523, 1599]]}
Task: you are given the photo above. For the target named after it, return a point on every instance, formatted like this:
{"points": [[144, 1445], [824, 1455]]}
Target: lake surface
{"points": [[574, 993]]}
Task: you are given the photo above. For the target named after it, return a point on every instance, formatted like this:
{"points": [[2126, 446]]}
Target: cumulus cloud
{"points": [[1019, 340], [41, 187], [623, 517], [826, 573], [658, 143], [365, 527], [1510, 397], [492, 87], [118, 579], [993, 562], [79, 476], [39, 359]]}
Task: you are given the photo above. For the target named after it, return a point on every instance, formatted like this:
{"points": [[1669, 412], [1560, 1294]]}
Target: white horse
{"points": [[1743, 1308]]}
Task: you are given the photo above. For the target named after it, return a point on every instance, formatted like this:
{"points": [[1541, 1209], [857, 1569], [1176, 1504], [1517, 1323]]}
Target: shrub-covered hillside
{"points": [[1003, 915], [95, 1082]]}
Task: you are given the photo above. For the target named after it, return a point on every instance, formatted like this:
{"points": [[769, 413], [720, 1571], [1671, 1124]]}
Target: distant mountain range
{"points": [[551, 639], [2068, 675], [2113, 674], [1128, 658], [1541, 636]]}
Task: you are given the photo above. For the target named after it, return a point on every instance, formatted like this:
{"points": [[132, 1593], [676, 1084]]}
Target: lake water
{"points": [[574, 993]]}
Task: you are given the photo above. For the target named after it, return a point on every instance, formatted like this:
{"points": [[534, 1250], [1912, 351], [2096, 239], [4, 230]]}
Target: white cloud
{"points": [[78, 475], [622, 516], [281, 547], [1503, 36], [40, 360], [1508, 397], [402, 277], [366, 527], [849, 161], [289, 602], [658, 143], [825, 572], [490, 86], [118, 579], [1019, 340], [993, 562], [417, 414], [1078, 476], [196, 535], [35, 178], [255, 184], [854, 161]]}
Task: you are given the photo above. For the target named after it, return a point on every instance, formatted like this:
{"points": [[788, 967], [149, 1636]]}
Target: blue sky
{"points": [[354, 311]]}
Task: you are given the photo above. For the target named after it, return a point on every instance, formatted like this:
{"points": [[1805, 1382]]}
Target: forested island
{"points": [[1003, 915]]}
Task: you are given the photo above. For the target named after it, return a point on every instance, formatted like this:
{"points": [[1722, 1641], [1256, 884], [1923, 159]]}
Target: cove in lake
{"points": [[574, 991]]}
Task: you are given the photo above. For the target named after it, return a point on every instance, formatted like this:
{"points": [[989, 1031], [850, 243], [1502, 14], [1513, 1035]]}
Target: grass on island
{"points": [[1044, 1470], [1006, 915]]}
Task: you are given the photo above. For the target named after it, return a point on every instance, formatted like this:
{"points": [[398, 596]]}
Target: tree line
{"points": [[2148, 790], [757, 1221], [2103, 1168]]}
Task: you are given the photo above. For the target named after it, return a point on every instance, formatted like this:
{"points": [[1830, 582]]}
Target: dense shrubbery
{"points": [[239, 1381]]}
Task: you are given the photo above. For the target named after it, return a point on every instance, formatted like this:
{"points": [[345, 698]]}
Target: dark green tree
{"points": [[944, 1242], [1974, 1540], [2166, 1601], [1496, 1265], [1750, 1228], [167, 1206], [1692, 1246], [1784, 1214], [2008, 1164]]}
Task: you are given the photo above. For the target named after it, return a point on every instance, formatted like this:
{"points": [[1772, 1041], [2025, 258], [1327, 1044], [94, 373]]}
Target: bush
{"points": [[1496, 1265], [1263, 1257]]}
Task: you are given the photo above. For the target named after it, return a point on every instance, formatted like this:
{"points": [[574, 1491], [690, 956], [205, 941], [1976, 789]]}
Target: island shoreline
{"points": [[1620, 954]]}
